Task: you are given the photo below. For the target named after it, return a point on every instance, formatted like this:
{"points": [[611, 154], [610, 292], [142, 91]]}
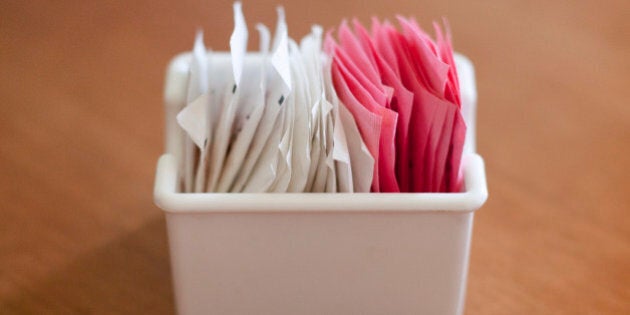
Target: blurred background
{"points": [[81, 128]]}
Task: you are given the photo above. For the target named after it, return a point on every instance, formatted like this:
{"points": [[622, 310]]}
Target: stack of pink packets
{"points": [[402, 89], [376, 111]]}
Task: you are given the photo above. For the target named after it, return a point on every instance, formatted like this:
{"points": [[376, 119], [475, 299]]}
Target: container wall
{"points": [[320, 263]]}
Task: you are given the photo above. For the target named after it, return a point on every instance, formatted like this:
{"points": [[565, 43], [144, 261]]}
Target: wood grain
{"points": [[81, 129]]}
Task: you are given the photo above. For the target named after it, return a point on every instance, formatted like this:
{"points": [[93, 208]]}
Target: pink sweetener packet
{"points": [[386, 158], [401, 102]]}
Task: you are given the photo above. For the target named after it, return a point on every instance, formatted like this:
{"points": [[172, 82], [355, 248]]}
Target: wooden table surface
{"points": [[81, 128]]}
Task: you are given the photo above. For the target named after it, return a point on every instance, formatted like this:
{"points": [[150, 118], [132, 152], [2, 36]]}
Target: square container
{"points": [[318, 253]]}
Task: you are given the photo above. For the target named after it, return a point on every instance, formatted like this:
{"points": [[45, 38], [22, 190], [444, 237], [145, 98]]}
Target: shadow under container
{"points": [[318, 253]]}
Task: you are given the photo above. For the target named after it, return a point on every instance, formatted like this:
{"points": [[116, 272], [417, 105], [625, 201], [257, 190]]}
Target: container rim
{"points": [[167, 197]]}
